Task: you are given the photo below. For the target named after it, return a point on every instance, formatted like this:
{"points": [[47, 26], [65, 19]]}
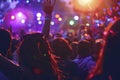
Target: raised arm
{"points": [[48, 6]]}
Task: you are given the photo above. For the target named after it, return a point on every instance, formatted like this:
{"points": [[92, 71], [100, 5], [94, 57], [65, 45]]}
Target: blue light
{"points": [[38, 1], [118, 13], [27, 1], [97, 21]]}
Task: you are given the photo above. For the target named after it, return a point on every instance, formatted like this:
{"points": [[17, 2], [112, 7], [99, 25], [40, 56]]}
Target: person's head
{"points": [[84, 48], [61, 48], [34, 50], [5, 40]]}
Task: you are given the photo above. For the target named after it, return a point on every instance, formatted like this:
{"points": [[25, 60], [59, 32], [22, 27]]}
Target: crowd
{"points": [[37, 56]]}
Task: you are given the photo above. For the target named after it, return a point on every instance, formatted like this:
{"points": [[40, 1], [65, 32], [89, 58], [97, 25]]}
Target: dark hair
{"points": [[61, 48], [5, 39], [34, 48], [35, 53], [84, 48]]}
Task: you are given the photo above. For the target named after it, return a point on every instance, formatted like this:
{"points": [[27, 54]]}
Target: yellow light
{"points": [[59, 19], [84, 2]]}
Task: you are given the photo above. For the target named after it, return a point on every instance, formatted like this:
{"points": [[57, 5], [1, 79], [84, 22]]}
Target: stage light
{"points": [[87, 24], [1, 20], [76, 17], [105, 33], [52, 23], [86, 5], [38, 18], [88, 17], [57, 15], [12, 17], [60, 19], [23, 21], [39, 22], [84, 2], [20, 14], [71, 22], [38, 14], [109, 19], [98, 24], [97, 21], [38, 1], [27, 1]]}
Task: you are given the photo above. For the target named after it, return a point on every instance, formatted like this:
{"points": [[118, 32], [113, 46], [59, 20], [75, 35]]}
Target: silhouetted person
{"points": [[67, 69], [108, 65], [35, 56]]}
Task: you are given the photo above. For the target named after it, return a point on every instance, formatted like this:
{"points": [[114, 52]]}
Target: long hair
{"points": [[61, 48], [35, 53]]}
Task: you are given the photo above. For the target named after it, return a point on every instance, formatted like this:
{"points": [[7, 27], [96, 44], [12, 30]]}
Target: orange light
{"points": [[57, 16], [86, 5]]}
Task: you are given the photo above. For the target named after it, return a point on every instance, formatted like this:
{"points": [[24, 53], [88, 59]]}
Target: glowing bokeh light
{"points": [[57, 15], [39, 22], [76, 17], [87, 24], [86, 5], [20, 14], [38, 1], [105, 33], [60, 19], [27, 1], [71, 22], [38, 18], [23, 21], [52, 23], [38, 14], [84, 2], [12, 17]]}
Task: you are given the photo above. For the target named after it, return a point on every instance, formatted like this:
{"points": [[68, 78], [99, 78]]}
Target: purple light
{"points": [[20, 14], [20, 17], [23, 21]]}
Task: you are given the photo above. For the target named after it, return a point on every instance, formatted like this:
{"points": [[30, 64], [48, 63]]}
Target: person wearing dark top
{"points": [[67, 69], [108, 66]]}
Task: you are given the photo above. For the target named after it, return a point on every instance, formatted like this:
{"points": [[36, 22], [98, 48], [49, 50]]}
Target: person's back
{"points": [[111, 65], [8, 70], [35, 57], [84, 59], [67, 69]]}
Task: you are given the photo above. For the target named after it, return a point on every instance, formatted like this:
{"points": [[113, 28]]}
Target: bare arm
{"points": [[48, 6]]}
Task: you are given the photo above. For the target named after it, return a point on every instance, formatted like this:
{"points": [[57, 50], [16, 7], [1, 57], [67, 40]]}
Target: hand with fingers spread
{"points": [[48, 6]]}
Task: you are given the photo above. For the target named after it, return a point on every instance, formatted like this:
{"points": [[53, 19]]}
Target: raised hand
{"points": [[48, 6]]}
